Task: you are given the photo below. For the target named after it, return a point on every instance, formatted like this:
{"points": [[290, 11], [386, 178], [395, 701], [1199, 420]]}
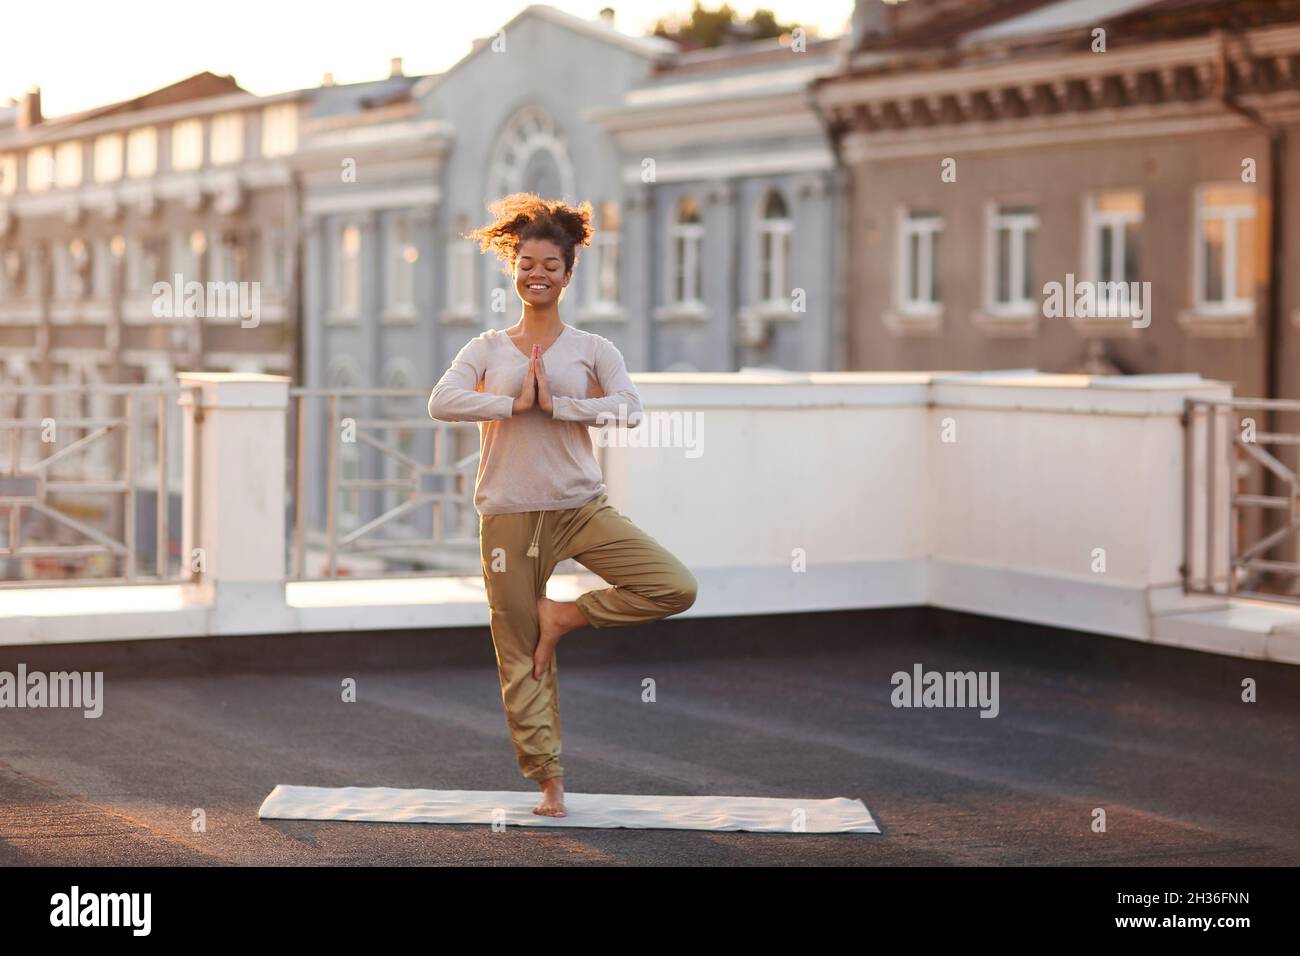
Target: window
{"points": [[230, 258], [279, 129], [40, 169], [34, 272], [685, 236], [108, 158], [1113, 221], [402, 257], [67, 165], [100, 269], [187, 256], [917, 279], [270, 252], [8, 174], [349, 271], [774, 228], [146, 263], [60, 272], [142, 152], [604, 291], [70, 262], [227, 138], [1224, 256], [187, 144], [1010, 263], [462, 258]]}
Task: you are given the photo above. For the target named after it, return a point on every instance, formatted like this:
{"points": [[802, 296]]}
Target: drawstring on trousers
{"points": [[532, 548]]}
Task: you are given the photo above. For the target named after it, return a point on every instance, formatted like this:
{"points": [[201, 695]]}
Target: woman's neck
{"points": [[539, 323]]}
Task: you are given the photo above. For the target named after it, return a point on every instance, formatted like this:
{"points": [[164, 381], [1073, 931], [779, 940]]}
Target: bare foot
{"points": [[552, 803], [554, 620]]}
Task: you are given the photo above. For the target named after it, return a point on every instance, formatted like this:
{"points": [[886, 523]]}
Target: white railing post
{"points": [[233, 536]]}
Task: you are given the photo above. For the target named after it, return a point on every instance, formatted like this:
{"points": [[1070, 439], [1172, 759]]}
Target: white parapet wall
{"points": [[1054, 499]]}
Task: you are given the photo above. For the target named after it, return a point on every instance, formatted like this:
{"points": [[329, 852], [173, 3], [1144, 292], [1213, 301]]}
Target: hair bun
{"points": [[521, 216]]}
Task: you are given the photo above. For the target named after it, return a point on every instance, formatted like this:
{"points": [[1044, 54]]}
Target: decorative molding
{"points": [[395, 197], [738, 164], [1201, 325], [1021, 325], [909, 325]]}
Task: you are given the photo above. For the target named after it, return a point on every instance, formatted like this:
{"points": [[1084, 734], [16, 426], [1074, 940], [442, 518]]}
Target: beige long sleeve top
{"points": [[533, 461]]}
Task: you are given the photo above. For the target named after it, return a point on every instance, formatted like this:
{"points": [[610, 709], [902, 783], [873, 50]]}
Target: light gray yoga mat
{"points": [[600, 810]]}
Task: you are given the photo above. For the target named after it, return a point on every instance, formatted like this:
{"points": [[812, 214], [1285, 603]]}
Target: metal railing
{"points": [[1227, 530], [383, 538], [46, 478]]}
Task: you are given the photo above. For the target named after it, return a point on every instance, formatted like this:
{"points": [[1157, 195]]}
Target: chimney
{"points": [[874, 19], [395, 67], [327, 79], [607, 16], [29, 109]]}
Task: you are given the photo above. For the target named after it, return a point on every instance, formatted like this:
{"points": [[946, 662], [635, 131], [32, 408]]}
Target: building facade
{"points": [[1003, 156]]}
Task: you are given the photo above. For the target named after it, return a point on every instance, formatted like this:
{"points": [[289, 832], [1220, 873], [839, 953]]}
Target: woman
{"points": [[535, 388]]}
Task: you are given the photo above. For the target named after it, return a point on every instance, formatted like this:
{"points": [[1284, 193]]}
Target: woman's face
{"points": [[540, 278]]}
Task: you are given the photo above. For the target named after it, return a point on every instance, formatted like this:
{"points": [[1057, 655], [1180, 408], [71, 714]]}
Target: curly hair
{"points": [[521, 216]]}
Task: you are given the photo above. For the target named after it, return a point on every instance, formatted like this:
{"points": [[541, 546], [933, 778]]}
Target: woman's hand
{"points": [[526, 392], [537, 371]]}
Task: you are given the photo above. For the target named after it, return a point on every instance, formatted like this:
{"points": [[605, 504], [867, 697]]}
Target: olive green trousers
{"points": [[519, 553]]}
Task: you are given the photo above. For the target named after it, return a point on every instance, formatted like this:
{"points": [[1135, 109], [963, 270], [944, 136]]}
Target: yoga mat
{"points": [[599, 810]]}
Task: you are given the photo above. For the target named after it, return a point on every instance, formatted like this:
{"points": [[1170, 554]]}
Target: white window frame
{"points": [[279, 129], [399, 292], [40, 169], [187, 145], [1096, 220], [108, 158], [68, 164], [924, 228], [142, 152], [604, 288], [780, 232], [1022, 227], [227, 134], [691, 236], [347, 291], [1234, 216], [462, 284]]}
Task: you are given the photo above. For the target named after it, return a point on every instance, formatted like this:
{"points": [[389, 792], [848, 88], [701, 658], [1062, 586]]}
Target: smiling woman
{"points": [[535, 389]]}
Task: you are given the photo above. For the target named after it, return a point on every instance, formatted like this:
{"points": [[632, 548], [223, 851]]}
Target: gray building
{"points": [[711, 178]]}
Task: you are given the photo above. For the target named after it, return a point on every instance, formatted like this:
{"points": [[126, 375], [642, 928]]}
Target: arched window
{"points": [[685, 236], [774, 229]]}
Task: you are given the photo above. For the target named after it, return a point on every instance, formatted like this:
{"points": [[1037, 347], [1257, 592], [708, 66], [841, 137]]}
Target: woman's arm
{"points": [[456, 397], [622, 402]]}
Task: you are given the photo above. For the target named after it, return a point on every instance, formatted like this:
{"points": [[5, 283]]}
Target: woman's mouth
{"points": [[538, 286]]}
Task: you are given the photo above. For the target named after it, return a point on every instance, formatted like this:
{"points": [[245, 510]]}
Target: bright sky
{"points": [[85, 53]]}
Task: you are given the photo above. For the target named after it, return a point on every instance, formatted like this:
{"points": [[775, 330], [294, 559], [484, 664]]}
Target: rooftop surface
{"points": [[794, 705]]}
